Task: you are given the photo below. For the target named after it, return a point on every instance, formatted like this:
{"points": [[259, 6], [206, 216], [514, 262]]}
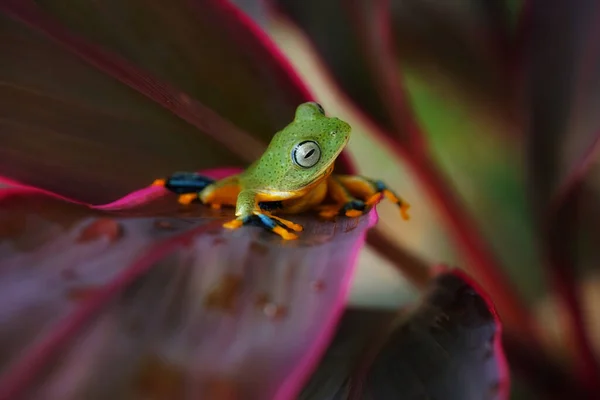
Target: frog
{"points": [[293, 175]]}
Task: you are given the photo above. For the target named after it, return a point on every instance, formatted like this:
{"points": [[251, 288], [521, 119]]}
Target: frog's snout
{"points": [[341, 127]]}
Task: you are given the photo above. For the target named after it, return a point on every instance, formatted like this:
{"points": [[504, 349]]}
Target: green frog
{"points": [[293, 175]]}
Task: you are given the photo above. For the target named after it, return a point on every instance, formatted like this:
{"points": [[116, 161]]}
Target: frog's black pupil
{"points": [[320, 107], [310, 153]]}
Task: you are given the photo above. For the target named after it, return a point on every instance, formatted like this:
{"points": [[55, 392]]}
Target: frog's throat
{"points": [[274, 195], [320, 178]]}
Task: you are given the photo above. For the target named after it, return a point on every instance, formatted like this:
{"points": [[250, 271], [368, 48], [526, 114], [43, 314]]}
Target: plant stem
{"points": [[560, 248], [479, 259], [414, 269]]}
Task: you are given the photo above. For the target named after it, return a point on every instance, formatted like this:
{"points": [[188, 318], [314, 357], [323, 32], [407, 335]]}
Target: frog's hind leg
{"points": [[191, 186], [371, 191], [221, 193], [344, 201], [184, 182]]}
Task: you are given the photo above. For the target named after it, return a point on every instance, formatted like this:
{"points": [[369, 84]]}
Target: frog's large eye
{"points": [[320, 108], [306, 154], [309, 111]]}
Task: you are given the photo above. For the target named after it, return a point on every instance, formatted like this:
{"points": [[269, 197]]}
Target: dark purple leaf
{"points": [[562, 71], [563, 76], [158, 300], [357, 328], [100, 98], [334, 28], [551, 378], [447, 348], [564, 83], [463, 45], [354, 38]]}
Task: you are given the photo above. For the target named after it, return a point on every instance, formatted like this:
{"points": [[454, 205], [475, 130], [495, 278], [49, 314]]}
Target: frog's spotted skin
{"points": [[292, 176]]}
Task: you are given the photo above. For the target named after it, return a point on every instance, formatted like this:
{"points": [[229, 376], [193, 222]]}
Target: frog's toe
{"points": [[234, 224], [159, 182], [354, 208], [329, 211], [404, 206], [187, 198], [404, 211], [374, 199], [284, 233], [275, 225], [394, 198], [286, 223]]}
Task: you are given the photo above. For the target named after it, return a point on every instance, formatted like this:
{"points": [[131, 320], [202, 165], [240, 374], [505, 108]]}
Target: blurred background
{"points": [[483, 160], [481, 154], [477, 136]]}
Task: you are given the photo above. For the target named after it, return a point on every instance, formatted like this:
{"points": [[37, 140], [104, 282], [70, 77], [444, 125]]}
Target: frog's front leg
{"points": [[248, 212], [353, 195], [191, 186]]}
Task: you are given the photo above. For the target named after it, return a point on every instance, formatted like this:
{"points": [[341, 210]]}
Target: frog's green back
{"points": [[300, 153]]}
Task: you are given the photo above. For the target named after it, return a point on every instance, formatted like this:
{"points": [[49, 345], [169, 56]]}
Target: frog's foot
{"points": [[184, 183], [370, 191], [187, 198], [382, 189], [271, 223], [353, 208], [286, 223]]}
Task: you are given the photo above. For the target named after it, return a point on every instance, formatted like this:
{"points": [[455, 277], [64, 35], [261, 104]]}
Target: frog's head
{"points": [[308, 146]]}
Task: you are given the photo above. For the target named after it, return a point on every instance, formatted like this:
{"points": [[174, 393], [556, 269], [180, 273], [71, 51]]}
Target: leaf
{"points": [[357, 328], [563, 96], [563, 142], [447, 348], [98, 99], [354, 38], [255, 9], [464, 45], [551, 378], [334, 30], [155, 301]]}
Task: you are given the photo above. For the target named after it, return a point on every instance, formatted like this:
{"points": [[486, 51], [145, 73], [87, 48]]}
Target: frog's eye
{"points": [[309, 111], [306, 154], [320, 108]]}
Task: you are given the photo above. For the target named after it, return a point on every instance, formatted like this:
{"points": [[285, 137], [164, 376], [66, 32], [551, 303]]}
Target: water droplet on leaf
{"points": [[101, 227]]}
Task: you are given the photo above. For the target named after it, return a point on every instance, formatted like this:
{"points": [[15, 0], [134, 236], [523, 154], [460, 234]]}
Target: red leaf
{"points": [[157, 299], [99, 99]]}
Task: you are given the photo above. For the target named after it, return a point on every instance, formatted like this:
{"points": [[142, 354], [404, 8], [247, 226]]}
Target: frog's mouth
{"points": [[327, 171]]}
